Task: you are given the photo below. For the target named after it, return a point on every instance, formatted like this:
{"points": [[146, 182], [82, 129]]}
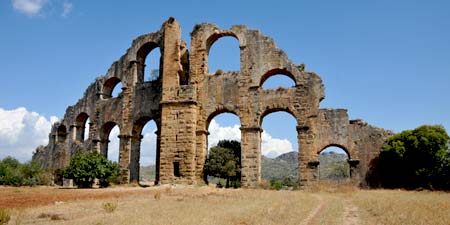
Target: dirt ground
{"points": [[25, 197], [207, 205]]}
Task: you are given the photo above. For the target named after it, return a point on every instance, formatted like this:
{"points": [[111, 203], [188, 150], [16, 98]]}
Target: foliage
{"points": [[110, 206], [282, 169], [4, 217], [276, 185], [333, 166], [13, 173], [154, 75], [84, 168], [417, 158], [224, 161]]}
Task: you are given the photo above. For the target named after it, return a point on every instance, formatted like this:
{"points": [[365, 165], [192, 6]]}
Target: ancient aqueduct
{"points": [[185, 98]]}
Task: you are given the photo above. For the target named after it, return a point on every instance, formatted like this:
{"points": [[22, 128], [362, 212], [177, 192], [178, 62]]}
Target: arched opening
{"points": [[278, 81], [148, 156], [277, 78], [87, 126], [110, 141], [82, 127], [333, 164], [112, 88], [152, 67], [279, 146], [150, 60], [224, 54], [224, 132], [61, 133]]}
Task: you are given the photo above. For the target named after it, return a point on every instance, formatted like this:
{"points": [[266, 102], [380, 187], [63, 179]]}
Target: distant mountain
{"points": [[333, 166], [280, 168], [147, 173]]}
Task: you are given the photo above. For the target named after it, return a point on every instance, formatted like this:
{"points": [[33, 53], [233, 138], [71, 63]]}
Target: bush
{"points": [[13, 173], [4, 217], [110, 206], [84, 168], [418, 158], [276, 185]]}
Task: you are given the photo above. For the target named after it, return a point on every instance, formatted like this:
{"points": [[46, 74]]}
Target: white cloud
{"points": [[29, 7], [148, 146], [217, 133], [22, 131], [273, 147], [113, 146], [67, 8], [270, 147]]}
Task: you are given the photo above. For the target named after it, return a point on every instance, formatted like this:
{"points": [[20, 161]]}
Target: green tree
{"points": [[417, 158], [12, 172], [84, 168], [224, 162]]}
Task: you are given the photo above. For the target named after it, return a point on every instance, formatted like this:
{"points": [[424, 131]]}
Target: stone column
{"points": [[134, 158], [308, 171], [354, 170], [157, 160], [201, 153], [124, 157], [250, 156], [74, 129]]}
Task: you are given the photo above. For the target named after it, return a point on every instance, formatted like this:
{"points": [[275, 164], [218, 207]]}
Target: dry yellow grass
{"points": [[207, 205], [403, 207]]}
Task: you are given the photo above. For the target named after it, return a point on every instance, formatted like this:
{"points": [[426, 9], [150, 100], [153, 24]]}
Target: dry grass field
{"points": [[324, 204]]}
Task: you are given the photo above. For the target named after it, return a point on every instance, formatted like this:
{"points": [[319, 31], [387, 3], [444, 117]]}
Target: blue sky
{"points": [[387, 62]]}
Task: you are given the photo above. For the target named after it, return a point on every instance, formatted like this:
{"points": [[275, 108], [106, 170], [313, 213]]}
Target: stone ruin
{"points": [[185, 98]]}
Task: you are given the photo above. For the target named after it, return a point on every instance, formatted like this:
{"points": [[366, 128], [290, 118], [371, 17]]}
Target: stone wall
{"points": [[185, 98]]}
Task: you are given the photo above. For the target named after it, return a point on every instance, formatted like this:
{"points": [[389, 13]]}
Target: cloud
{"points": [[29, 7], [21, 131], [273, 147], [67, 8], [270, 147]]}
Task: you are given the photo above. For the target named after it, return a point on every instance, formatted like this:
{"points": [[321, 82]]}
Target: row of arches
{"points": [[224, 54], [279, 142]]}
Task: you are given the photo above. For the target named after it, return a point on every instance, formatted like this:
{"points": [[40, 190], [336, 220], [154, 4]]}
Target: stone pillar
{"points": [[201, 153], [354, 170], [124, 157], [74, 132], [308, 171], [137, 69], [134, 158], [158, 159], [250, 156]]}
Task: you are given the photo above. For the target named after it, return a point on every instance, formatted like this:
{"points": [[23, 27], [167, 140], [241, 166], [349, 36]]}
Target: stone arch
{"points": [[214, 38], [109, 85], [276, 71], [345, 149], [278, 108], [61, 133], [137, 137], [80, 123], [217, 112], [105, 130], [141, 55], [341, 169]]}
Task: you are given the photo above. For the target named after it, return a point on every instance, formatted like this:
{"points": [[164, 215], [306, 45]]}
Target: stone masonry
{"points": [[185, 98]]}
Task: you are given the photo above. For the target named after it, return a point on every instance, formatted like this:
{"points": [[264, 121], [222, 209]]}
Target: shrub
{"points": [[4, 217], [110, 206], [13, 173], [276, 185], [84, 168]]}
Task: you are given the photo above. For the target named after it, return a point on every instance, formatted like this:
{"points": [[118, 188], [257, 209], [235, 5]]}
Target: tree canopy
{"points": [[417, 158], [84, 168], [224, 161]]}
